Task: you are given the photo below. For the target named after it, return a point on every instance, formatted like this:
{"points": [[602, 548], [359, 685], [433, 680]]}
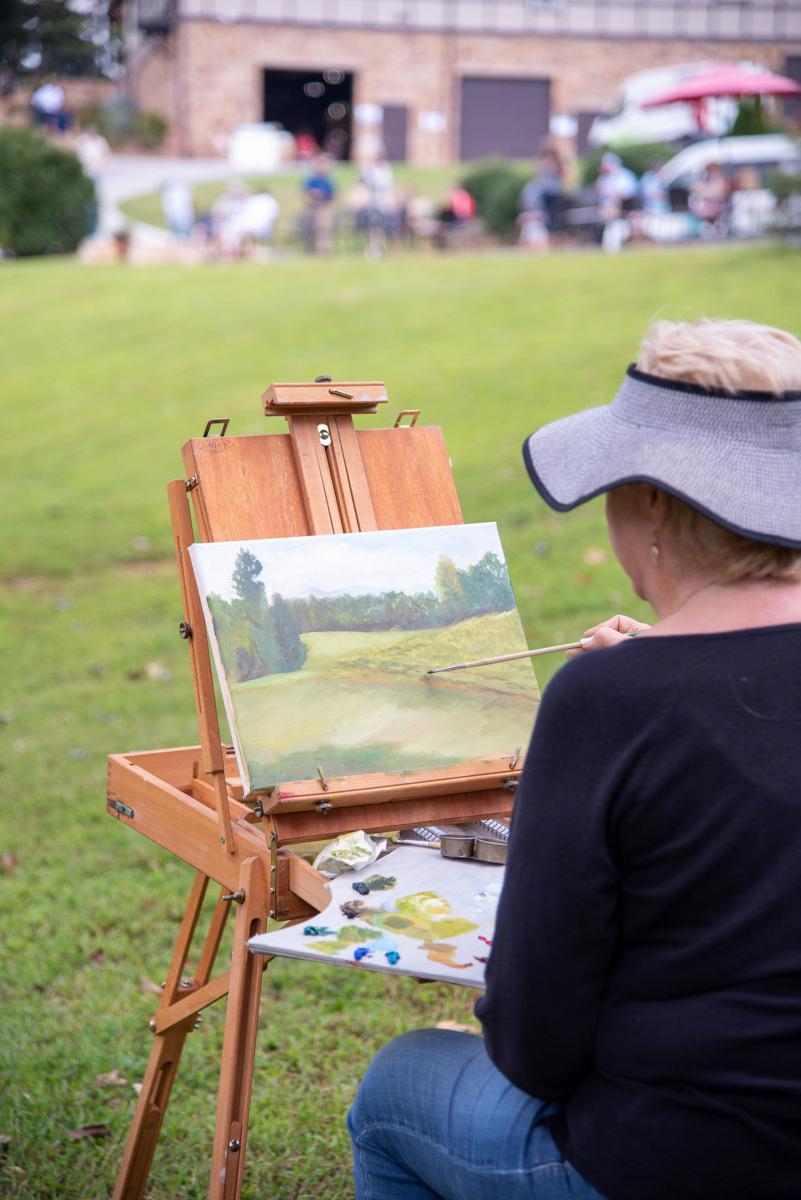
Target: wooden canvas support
{"points": [[323, 476]]}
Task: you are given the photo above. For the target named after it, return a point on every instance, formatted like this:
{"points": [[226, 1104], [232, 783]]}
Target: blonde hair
{"points": [[733, 356]]}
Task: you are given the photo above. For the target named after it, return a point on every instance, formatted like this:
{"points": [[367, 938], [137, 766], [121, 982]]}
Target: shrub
{"points": [[751, 120], [784, 184], [638, 158], [46, 201], [495, 184], [149, 129], [121, 123]]}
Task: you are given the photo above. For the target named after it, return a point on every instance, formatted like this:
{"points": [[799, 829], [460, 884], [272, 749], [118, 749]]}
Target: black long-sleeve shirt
{"points": [[646, 965]]}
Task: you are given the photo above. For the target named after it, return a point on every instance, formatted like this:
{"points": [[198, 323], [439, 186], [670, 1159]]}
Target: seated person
{"points": [[642, 1018]]}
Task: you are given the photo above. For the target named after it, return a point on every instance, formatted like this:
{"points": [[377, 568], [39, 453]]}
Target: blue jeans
{"points": [[435, 1120]]}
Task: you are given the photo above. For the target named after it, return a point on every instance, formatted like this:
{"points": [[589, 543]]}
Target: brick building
{"points": [[436, 80]]}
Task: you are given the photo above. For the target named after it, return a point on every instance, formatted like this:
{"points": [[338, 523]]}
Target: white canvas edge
{"points": [[228, 703]]}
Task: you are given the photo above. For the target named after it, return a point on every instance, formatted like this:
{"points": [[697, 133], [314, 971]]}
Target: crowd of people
{"points": [[620, 207]]}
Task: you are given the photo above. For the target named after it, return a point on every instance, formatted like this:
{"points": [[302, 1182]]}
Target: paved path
{"points": [[129, 175]]}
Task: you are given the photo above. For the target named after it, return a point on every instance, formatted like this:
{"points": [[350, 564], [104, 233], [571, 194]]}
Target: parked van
{"points": [[627, 121], [766, 153]]}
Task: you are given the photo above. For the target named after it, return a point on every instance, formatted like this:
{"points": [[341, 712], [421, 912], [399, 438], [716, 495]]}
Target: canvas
{"points": [[404, 924], [322, 643]]}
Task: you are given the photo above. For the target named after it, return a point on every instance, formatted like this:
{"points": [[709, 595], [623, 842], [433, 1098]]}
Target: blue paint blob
{"points": [[360, 952], [392, 957]]}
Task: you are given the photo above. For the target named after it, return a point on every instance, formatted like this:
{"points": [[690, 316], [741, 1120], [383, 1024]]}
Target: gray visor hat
{"points": [[734, 457]]}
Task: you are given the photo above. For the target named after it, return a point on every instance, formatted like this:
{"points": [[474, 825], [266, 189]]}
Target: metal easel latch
{"points": [[325, 434], [124, 810], [222, 421], [412, 413]]}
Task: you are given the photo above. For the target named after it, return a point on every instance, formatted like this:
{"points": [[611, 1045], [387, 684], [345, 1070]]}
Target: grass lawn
{"points": [[105, 372]]}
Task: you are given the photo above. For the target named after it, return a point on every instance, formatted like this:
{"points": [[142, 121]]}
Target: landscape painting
{"points": [[322, 645]]}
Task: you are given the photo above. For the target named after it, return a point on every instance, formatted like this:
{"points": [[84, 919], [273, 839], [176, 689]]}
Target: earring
{"points": [[655, 551]]}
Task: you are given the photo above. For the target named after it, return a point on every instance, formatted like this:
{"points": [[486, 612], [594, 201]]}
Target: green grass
{"points": [[106, 372], [432, 182], [379, 710]]}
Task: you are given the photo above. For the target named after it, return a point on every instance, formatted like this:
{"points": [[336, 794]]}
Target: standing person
{"points": [[642, 1019], [317, 218], [179, 207], [94, 152], [47, 103], [616, 187], [379, 179], [540, 201]]}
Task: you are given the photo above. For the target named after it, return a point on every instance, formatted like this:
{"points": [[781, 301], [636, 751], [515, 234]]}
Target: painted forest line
{"points": [[260, 635]]}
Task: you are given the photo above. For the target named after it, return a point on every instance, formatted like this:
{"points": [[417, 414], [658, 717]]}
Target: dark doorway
{"points": [[396, 120], [584, 122], [503, 116], [314, 104], [792, 104]]}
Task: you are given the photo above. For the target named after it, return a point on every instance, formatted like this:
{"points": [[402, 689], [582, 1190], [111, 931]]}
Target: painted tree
{"points": [[486, 586], [291, 649], [450, 589]]}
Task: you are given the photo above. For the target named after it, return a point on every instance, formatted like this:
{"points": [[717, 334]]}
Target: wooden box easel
{"points": [[324, 476]]}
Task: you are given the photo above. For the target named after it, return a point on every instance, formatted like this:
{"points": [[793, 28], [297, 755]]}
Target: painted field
{"points": [[370, 692]]}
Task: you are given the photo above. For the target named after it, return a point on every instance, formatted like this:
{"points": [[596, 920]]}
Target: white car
{"points": [[766, 153], [628, 122]]}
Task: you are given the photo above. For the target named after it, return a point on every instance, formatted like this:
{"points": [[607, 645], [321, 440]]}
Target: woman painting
{"points": [[642, 1018]]}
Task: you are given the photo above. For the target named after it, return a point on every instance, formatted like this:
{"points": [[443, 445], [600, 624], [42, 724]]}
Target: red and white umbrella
{"points": [[726, 80]]}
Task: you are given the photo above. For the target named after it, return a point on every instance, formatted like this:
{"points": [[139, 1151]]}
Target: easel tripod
{"points": [[324, 476]]}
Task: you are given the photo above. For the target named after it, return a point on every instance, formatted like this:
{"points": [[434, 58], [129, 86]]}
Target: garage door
{"points": [[503, 116]]}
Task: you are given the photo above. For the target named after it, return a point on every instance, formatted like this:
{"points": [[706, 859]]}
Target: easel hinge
{"points": [[124, 810]]}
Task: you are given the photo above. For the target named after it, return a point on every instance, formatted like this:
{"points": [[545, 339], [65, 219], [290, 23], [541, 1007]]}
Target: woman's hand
{"points": [[609, 633]]}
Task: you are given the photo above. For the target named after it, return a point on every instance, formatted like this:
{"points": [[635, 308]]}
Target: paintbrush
{"points": [[499, 658]]}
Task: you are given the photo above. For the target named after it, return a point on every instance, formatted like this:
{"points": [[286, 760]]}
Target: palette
{"points": [[389, 917]]}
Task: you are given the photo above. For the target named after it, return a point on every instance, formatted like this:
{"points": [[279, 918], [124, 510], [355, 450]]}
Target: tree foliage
{"points": [[260, 637], [44, 37]]}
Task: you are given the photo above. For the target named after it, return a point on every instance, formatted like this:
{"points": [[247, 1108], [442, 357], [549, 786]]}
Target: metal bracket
{"points": [[224, 421], [325, 434], [123, 809], [191, 483], [258, 808], [412, 413]]}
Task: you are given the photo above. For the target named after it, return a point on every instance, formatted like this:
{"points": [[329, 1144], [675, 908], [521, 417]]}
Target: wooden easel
{"points": [[322, 477]]}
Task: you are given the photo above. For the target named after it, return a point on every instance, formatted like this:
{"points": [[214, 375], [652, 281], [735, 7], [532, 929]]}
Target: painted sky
{"points": [[391, 560]]}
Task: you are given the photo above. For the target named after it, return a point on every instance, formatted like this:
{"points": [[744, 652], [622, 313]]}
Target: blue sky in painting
{"points": [[387, 560]]}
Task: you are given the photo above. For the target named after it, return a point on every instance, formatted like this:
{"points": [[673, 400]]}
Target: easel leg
{"points": [[239, 1046], [166, 1053]]}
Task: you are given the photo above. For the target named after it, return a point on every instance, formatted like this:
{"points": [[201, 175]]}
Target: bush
{"points": [[751, 120], [121, 123], [495, 184], [784, 184], [637, 158], [46, 201], [149, 129]]}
